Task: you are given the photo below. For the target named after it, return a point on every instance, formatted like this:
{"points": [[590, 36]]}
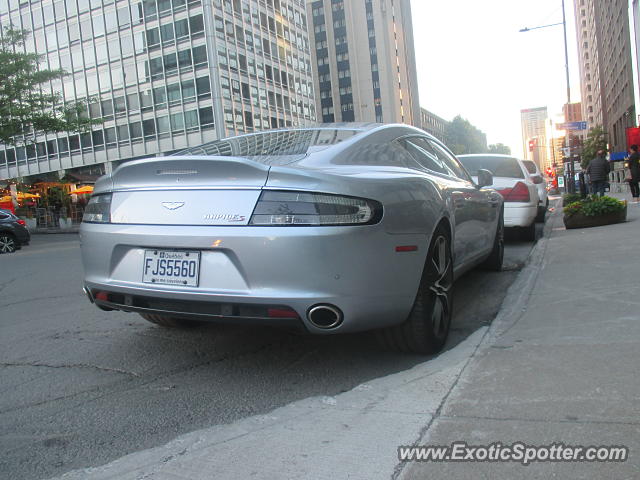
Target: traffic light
{"points": [[532, 144]]}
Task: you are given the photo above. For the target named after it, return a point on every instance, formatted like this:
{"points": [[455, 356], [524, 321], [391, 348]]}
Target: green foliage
{"points": [[462, 137], [499, 148], [596, 140], [55, 197], [593, 206], [25, 109], [568, 198]]}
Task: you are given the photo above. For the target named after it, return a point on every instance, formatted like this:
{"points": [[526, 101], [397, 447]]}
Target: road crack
{"points": [[73, 365]]}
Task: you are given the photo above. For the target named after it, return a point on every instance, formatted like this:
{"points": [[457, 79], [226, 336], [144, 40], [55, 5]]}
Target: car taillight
{"points": [[21, 222], [519, 193], [283, 208], [98, 210]]}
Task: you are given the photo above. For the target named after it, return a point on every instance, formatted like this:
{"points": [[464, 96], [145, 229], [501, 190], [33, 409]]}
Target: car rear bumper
{"points": [[519, 214], [245, 272]]}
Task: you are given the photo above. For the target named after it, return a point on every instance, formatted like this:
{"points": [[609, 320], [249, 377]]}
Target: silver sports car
{"points": [[339, 228]]}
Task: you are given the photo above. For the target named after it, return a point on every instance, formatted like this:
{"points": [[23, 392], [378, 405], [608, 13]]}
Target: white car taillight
{"points": [[282, 208], [98, 210], [519, 193]]}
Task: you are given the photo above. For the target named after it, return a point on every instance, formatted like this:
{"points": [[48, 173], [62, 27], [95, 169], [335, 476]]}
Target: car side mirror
{"points": [[485, 178]]}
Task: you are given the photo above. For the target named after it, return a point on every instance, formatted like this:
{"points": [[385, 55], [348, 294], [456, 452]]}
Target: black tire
{"points": [[496, 257], [427, 327], [529, 233], [542, 212], [170, 322], [8, 243]]}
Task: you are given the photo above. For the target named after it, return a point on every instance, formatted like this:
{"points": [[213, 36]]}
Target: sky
{"points": [[473, 61]]}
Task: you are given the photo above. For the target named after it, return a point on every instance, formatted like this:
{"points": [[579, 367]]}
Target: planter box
{"points": [[582, 221]]}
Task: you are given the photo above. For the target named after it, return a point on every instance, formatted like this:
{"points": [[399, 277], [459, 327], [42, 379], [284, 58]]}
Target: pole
{"points": [[571, 185], [566, 53]]}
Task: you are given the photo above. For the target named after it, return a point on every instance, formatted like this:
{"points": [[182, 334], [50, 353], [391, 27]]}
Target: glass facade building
{"points": [[163, 75]]}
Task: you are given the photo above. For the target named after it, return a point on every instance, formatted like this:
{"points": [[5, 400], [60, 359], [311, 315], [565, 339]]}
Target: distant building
{"points": [[572, 112], [433, 124], [534, 132], [363, 61], [163, 75], [606, 72], [635, 8], [556, 155]]}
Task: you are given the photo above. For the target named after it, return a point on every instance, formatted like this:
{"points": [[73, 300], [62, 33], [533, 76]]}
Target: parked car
{"points": [[512, 180], [13, 233], [541, 185], [334, 229]]}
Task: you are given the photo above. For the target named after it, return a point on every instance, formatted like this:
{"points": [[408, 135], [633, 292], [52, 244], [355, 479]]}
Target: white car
{"points": [[538, 180], [512, 180]]}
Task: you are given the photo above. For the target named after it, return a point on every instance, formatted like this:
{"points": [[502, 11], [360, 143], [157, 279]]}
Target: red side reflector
{"points": [[281, 313], [406, 248], [104, 296], [22, 222]]}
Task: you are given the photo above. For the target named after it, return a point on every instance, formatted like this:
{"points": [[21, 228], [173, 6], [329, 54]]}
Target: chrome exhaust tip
{"points": [[87, 292], [325, 316]]}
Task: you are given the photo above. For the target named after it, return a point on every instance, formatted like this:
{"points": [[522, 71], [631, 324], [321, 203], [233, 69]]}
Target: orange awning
{"points": [[82, 190]]}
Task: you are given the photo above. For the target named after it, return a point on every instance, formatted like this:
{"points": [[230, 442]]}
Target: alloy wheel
{"points": [[7, 244], [441, 278]]}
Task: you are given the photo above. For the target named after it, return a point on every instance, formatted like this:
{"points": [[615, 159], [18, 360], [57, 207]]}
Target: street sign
{"points": [[572, 126], [560, 182], [576, 166]]}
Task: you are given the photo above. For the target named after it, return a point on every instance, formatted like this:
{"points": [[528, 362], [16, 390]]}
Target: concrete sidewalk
{"points": [[559, 364]]}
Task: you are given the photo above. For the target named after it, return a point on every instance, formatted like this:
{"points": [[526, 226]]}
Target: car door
{"points": [[482, 205], [458, 193]]}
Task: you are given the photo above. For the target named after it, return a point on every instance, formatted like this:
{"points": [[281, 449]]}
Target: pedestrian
{"points": [[634, 169], [598, 171]]}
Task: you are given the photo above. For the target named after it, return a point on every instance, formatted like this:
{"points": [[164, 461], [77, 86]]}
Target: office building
{"points": [[364, 64], [433, 124], [163, 75], [606, 72], [635, 23], [533, 122]]}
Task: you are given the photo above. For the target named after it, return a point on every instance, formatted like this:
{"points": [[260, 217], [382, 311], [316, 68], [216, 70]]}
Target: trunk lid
{"points": [[187, 191]]}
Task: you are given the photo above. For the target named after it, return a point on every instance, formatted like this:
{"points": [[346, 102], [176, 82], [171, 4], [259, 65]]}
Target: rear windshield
{"points": [[278, 147], [530, 166], [498, 166]]}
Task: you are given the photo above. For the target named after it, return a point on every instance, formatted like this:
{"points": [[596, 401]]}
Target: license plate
{"points": [[171, 267]]}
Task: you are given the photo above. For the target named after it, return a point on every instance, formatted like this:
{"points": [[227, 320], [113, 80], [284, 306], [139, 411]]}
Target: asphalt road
{"points": [[80, 387]]}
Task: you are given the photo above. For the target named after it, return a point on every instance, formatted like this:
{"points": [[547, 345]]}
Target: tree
{"points": [[596, 140], [499, 148], [462, 137], [26, 109]]}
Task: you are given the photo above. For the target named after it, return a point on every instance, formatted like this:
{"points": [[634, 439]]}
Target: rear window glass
{"points": [[530, 166], [498, 166], [270, 147]]}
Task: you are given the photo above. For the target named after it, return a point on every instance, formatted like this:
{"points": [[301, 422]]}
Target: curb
{"points": [[514, 304], [512, 309], [54, 231]]}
